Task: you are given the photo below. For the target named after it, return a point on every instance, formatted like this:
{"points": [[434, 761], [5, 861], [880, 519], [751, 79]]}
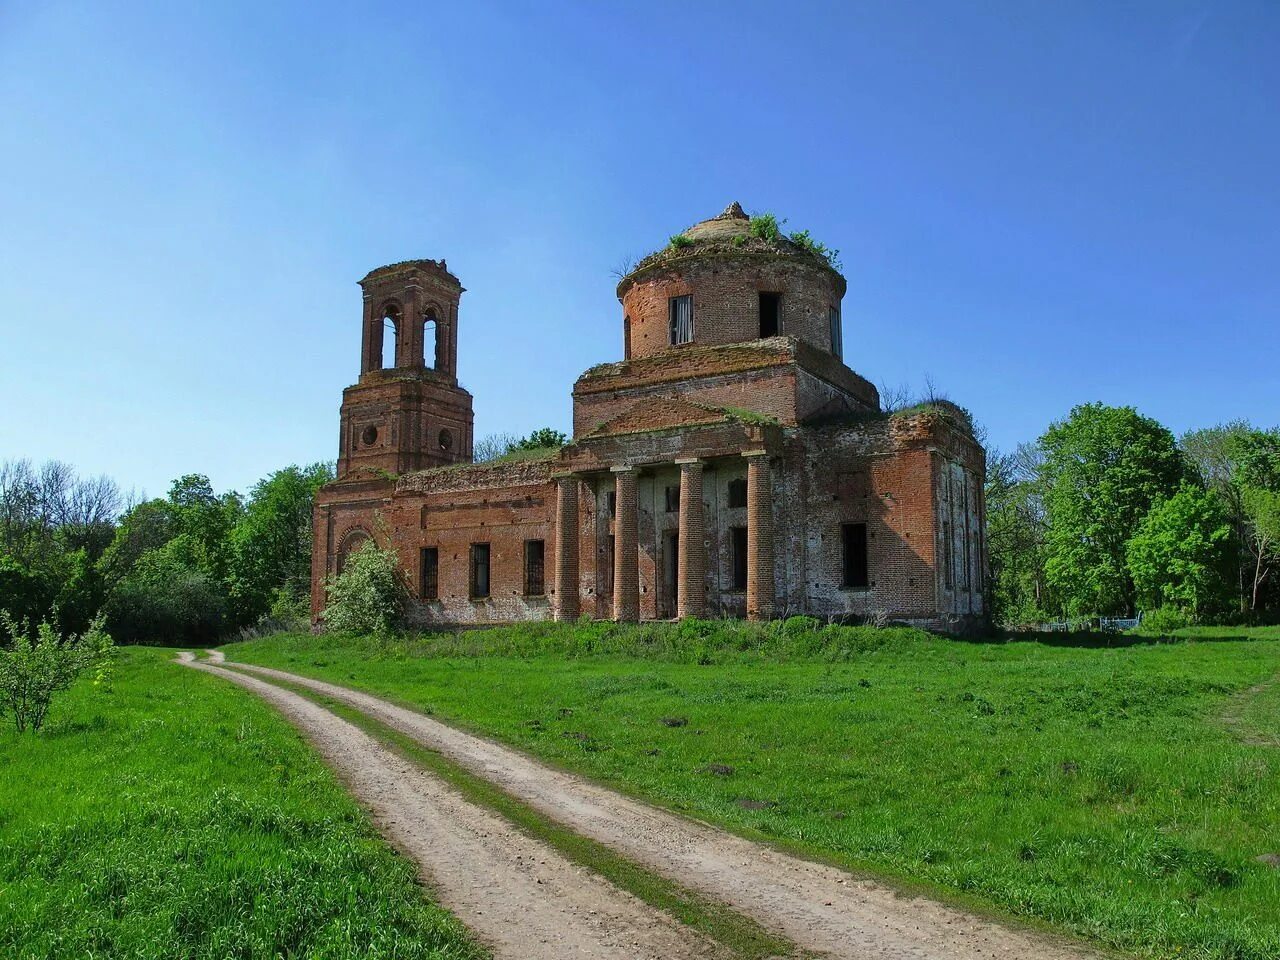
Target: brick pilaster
{"points": [[692, 595], [566, 582], [760, 587], [626, 554]]}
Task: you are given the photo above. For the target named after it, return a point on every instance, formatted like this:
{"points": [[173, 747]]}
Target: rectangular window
{"points": [[770, 314], [673, 499], [738, 544], [837, 339], [681, 309], [479, 585], [534, 577], [611, 502], [737, 493], [854, 541], [430, 583]]}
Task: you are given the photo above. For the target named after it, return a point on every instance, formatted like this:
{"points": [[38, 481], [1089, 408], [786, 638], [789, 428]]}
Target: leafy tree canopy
{"points": [[1104, 468]]}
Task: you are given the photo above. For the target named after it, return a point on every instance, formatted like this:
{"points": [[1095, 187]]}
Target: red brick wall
{"points": [[725, 292]]}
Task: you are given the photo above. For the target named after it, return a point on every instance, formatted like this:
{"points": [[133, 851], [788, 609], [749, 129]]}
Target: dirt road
{"points": [[520, 897], [817, 907]]}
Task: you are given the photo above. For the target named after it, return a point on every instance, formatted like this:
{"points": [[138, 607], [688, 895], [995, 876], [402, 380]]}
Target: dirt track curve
{"points": [[521, 898], [817, 907]]}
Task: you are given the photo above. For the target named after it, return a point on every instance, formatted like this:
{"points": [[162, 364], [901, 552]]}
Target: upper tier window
{"points": [[837, 344], [681, 312]]}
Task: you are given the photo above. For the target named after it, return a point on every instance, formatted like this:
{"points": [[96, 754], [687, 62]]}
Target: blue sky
{"points": [[1037, 204]]}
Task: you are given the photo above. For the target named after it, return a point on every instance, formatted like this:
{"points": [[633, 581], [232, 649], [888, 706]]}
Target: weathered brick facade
{"points": [[744, 472]]}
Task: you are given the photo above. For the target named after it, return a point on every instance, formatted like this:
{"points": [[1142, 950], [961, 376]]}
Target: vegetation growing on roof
{"points": [[765, 226], [680, 241]]}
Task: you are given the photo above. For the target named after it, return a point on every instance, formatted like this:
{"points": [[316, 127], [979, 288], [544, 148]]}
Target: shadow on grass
{"points": [[1101, 638]]}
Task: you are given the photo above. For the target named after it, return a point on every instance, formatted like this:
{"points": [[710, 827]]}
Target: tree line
{"points": [[186, 568], [1108, 513]]}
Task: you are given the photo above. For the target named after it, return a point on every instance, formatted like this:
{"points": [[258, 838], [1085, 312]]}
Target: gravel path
{"points": [[520, 897], [817, 907]]}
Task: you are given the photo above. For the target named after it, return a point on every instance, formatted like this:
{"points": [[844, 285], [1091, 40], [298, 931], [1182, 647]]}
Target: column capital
{"points": [[624, 468], [755, 453], [565, 475], [687, 461]]}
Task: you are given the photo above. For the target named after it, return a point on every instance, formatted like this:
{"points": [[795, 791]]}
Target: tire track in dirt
{"points": [[818, 907], [521, 898]]}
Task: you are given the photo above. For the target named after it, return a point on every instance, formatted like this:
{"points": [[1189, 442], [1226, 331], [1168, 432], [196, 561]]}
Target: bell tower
{"points": [[407, 411]]}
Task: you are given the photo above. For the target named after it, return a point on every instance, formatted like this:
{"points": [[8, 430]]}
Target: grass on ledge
{"points": [[1119, 793], [176, 815]]}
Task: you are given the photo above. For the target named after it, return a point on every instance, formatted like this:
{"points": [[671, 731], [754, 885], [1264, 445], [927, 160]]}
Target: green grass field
{"points": [[1122, 793], [177, 816]]}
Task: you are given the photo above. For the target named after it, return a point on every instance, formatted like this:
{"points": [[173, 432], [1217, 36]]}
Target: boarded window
{"points": [[737, 493], [681, 310], [837, 339], [853, 538], [673, 499], [534, 576], [770, 314], [429, 588], [479, 580], [948, 578], [738, 549]]}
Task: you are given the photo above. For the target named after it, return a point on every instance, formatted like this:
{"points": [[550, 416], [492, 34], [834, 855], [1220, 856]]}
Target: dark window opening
{"points": [[770, 314], [534, 577], [837, 336], [430, 586], [626, 338], [737, 493], [738, 537], [479, 580], [854, 542], [681, 314], [611, 502], [673, 499], [606, 587]]}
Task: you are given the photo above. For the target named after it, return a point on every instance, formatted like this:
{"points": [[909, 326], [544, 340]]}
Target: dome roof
{"points": [[732, 223], [731, 234]]}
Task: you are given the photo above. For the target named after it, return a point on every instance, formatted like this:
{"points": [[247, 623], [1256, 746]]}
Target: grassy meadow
{"points": [[1121, 792], [175, 815]]}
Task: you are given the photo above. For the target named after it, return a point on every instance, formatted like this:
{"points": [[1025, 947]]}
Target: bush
{"points": [[368, 596], [765, 226], [1164, 620], [31, 672]]}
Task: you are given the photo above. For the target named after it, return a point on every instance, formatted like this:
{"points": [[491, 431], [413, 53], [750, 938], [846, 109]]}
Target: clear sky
{"points": [[1037, 204]]}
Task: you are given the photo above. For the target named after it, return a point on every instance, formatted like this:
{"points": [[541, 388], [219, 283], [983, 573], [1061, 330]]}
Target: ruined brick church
{"points": [[730, 464]]}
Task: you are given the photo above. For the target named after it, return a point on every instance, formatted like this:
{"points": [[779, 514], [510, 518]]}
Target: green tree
{"points": [[1104, 468], [167, 598], [541, 438], [1257, 475], [1182, 554], [1015, 536], [271, 542], [1211, 454]]}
